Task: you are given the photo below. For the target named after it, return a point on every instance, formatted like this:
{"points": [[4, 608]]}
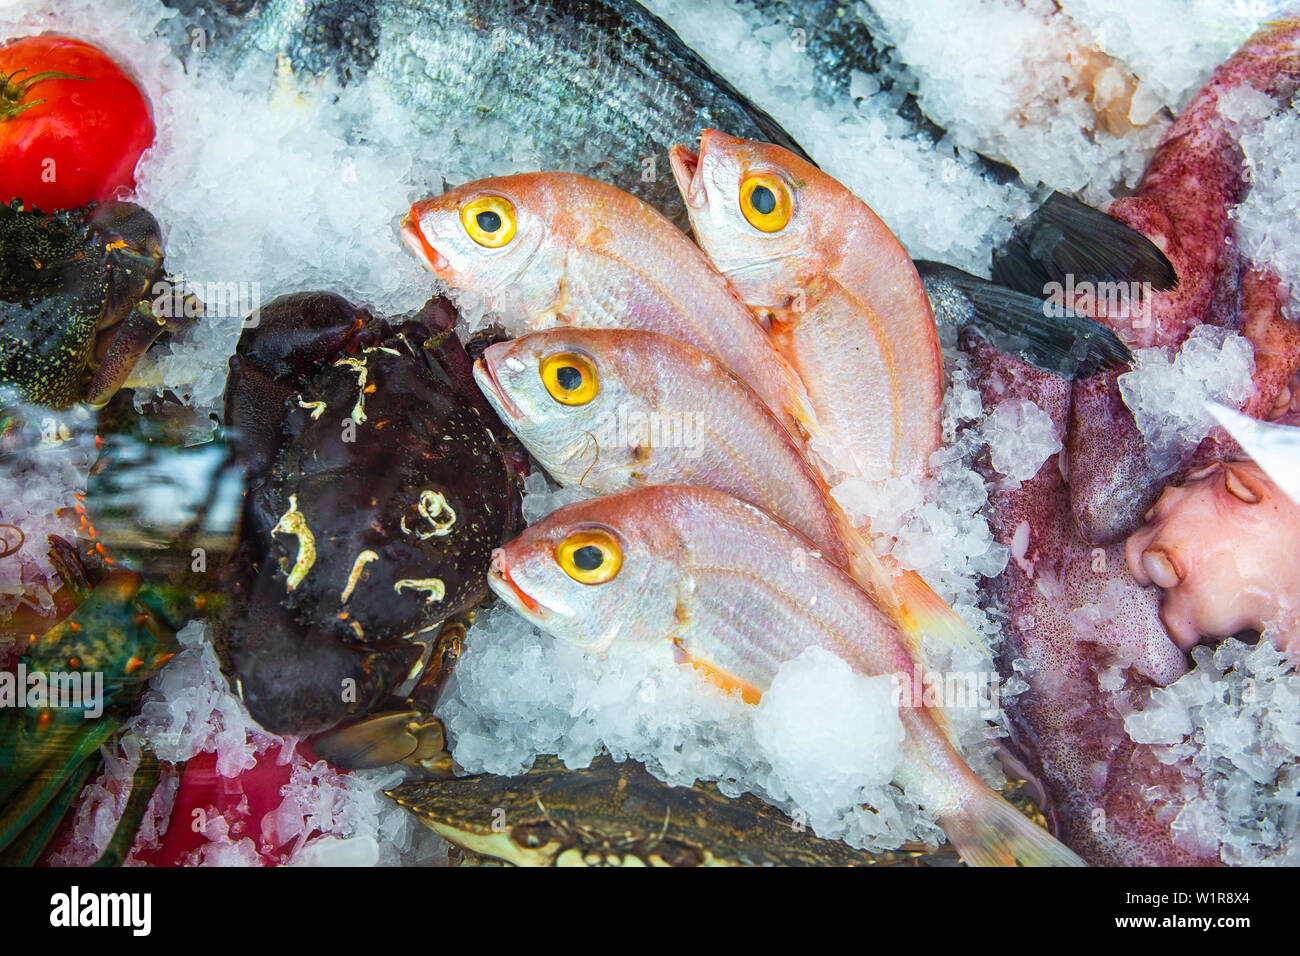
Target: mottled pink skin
{"points": [[1222, 548], [1064, 727], [1068, 731], [1276, 341], [1183, 205]]}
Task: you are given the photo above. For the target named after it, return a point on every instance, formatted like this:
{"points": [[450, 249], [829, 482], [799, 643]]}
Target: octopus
{"points": [[1118, 569], [1184, 204]]}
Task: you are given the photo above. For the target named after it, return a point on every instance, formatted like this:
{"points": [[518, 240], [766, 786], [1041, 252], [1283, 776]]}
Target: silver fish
{"points": [[598, 87]]}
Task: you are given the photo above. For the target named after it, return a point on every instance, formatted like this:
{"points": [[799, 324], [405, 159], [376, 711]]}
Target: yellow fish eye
{"points": [[592, 556], [489, 220], [570, 377], [766, 202]]}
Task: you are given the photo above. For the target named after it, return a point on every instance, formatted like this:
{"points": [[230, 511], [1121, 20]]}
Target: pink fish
{"points": [[612, 409], [560, 249], [715, 576], [843, 301]]}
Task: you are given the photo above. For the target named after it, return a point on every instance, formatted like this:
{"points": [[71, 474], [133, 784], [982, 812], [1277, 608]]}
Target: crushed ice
{"points": [[1231, 725], [1265, 220], [1168, 395]]}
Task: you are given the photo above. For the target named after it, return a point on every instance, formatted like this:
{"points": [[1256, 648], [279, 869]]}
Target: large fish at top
{"points": [[843, 300], [713, 575], [599, 87]]}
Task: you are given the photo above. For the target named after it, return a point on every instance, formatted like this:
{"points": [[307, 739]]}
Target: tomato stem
{"points": [[12, 90]]}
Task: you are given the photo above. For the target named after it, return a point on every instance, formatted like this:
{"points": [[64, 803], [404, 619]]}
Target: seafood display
{"points": [[700, 567], [607, 433]]}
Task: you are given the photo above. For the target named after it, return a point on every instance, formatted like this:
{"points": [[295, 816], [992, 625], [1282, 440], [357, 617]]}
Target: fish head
{"points": [[749, 206], [482, 237], [595, 574], [561, 392]]}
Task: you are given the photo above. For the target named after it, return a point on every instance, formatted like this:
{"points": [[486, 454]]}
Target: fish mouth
{"points": [[413, 236], [687, 171], [485, 376], [504, 586]]}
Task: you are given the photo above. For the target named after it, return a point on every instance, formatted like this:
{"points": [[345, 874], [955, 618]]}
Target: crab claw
{"points": [[130, 339]]}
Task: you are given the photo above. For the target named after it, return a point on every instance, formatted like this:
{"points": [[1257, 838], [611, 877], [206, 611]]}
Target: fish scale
{"points": [[716, 575]]}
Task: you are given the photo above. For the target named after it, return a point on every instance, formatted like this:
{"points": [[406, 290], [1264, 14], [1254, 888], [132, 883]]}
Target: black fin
{"points": [[1069, 345], [1067, 237]]}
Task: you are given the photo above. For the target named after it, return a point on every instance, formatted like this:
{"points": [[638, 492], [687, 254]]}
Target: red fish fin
{"points": [[718, 677], [906, 598], [988, 831]]}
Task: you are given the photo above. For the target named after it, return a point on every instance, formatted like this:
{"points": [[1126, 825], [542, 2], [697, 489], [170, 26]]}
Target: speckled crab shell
{"points": [[75, 293]]}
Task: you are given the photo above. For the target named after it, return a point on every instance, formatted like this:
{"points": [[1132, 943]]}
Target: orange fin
{"points": [[924, 612], [906, 597], [720, 678]]}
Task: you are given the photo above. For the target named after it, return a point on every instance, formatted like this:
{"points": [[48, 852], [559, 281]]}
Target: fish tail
{"points": [[907, 598], [988, 831]]}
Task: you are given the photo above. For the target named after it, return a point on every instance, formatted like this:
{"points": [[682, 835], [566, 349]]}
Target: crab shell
{"points": [[377, 493], [75, 294]]}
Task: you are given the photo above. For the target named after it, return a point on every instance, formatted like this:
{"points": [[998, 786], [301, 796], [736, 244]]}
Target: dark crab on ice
{"points": [[378, 487], [76, 293]]}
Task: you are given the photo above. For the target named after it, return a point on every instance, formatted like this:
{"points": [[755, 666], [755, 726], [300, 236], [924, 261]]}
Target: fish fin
{"points": [[988, 831], [1054, 339], [718, 677], [929, 614], [800, 420], [1065, 236], [906, 598]]}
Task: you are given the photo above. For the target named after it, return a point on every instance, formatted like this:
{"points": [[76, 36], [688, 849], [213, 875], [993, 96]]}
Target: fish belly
{"points": [[877, 406]]}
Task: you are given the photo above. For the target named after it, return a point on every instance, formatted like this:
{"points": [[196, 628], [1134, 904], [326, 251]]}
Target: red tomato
{"points": [[72, 124]]}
